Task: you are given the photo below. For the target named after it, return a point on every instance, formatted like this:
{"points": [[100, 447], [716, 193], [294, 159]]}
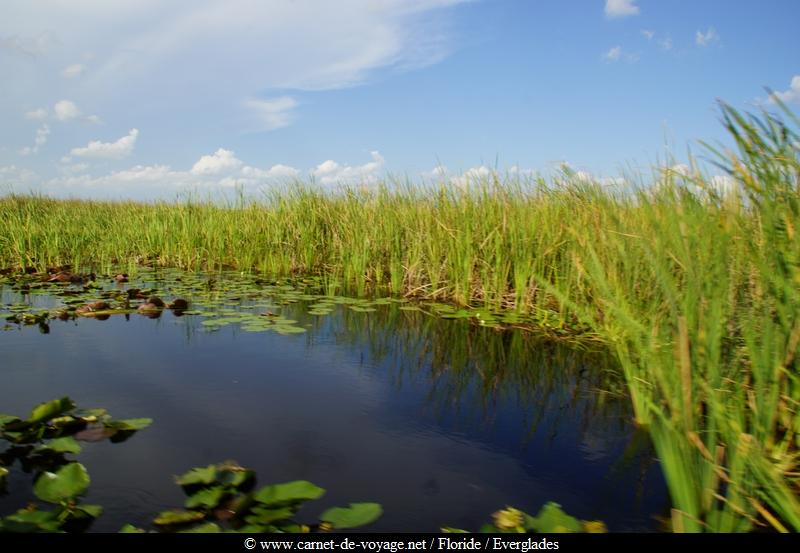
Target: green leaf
{"points": [[49, 409], [265, 516], [298, 490], [68, 482], [7, 418], [551, 519], [169, 518], [207, 498], [26, 520], [129, 424], [450, 530], [66, 444], [207, 528], [357, 514], [131, 529], [92, 511], [198, 475], [3, 473]]}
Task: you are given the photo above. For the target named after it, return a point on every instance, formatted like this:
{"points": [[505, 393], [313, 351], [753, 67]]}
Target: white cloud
{"points": [[66, 110], [330, 172], [94, 119], [17, 178], [73, 71], [680, 169], [790, 95], [665, 44], [243, 57], [41, 139], [275, 172], [221, 161], [613, 54], [473, 175], [724, 184], [437, 173], [648, 34], [37, 114], [704, 39], [621, 8], [273, 113], [109, 150]]}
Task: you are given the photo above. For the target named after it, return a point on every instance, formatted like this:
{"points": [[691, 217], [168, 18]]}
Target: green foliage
{"points": [[221, 497], [551, 519], [40, 444]]}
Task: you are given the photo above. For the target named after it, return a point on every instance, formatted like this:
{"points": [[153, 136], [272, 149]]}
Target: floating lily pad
{"points": [[357, 514], [278, 494], [68, 482]]}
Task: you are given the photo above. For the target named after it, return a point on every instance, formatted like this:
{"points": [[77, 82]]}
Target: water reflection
{"points": [[441, 421]]}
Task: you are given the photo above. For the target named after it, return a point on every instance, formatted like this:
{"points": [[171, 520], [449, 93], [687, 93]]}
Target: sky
{"points": [[146, 99]]}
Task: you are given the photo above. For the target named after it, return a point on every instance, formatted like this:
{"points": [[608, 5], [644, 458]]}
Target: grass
{"points": [[696, 293]]}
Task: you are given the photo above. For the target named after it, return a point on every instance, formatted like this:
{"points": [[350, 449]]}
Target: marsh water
{"points": [[441, 420]]}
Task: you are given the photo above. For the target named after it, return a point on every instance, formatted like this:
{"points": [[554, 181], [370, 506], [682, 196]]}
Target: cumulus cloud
{"points": [[621, 8], [471, 176], [221, 161], [724, 184], [109, 150], [66, 110], [275, 172], [273, 113], [41, 139], [330, 172], [73, 71], [704, 39], [665, 44], [790, 95], [648, 34]]}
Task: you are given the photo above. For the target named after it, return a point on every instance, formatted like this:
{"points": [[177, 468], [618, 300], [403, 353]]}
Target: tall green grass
{"points": [[697, 293]]}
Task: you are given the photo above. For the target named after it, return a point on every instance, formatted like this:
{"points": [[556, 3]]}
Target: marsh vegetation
{"points": [[695, 293]]}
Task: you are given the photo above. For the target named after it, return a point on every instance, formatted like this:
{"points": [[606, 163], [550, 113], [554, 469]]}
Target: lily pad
{"points": [[175, 517], [67, 444], [50, 409], [207, 498], [289, 492], [68, 482], [357, 514]]}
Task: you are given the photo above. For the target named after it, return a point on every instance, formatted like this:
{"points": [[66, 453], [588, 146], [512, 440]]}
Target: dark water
{"points": [[441, 421]]}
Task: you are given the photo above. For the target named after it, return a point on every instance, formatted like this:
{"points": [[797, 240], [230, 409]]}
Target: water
{"points": [[441, 421]]}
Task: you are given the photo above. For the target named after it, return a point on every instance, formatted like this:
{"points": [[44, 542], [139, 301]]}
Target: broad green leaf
{"points": [[131, 529], [26, 520], [66, 444], [129, 424], [207, 498], [7, 418], [92, 511], [551, 519], [48, 410], [68, 482], [198, 475], [265, 516], [169, 518], [207, 528], [357, 514], [298, 490]]}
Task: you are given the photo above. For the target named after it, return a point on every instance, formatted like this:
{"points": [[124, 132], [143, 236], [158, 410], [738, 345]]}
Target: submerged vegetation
{"points": [[696, 292]]}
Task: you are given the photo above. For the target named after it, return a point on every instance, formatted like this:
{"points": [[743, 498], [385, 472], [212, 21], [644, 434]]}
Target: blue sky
{"points": [[145, 98]]}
